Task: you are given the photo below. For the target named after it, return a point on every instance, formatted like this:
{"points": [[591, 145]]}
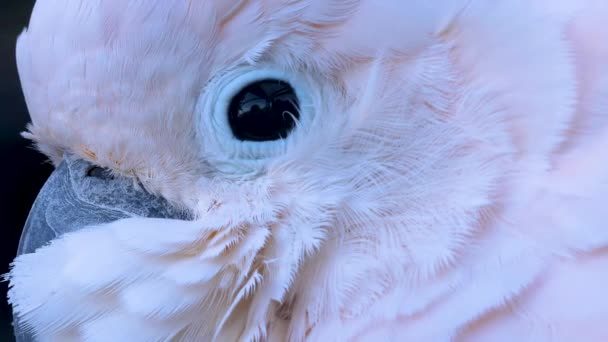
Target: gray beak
{"points": [[78, 194]]}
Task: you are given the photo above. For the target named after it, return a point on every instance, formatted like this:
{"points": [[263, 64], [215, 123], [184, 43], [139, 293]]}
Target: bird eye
{"points": [[264, 110], [250, 114]]}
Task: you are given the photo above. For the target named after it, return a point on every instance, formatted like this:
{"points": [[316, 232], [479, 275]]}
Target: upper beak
{"points": [[77, 195]]}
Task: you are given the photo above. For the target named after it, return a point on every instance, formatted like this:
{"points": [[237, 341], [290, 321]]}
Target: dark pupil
{"points": [[263, 111]]}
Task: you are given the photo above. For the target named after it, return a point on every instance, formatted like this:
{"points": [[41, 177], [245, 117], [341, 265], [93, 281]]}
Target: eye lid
{"points": [[218, 144]]}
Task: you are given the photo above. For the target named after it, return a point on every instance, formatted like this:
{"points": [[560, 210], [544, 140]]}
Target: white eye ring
{"points": [[218, 142]]}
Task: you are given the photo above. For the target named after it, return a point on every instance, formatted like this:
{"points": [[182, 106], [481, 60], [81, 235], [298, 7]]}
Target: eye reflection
{"points": [[265, 110]]}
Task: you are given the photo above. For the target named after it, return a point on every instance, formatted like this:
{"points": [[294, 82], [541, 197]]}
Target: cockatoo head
{"points": [[304, 157]]}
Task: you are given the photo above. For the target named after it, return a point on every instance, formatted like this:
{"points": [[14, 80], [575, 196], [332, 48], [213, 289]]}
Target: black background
{"points": [[22, 169]]}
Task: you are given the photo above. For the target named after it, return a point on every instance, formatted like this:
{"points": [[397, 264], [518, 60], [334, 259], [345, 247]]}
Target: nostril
{"points": [[100, 173]]}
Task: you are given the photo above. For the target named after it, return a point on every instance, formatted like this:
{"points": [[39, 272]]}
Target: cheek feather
{"points": [[448, 183]]}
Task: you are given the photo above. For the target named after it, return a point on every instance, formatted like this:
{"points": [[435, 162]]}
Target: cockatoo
{"points": [[319, 170]]}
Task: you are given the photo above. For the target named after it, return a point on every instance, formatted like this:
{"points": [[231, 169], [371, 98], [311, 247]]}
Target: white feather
{"points": [[448, 184]]}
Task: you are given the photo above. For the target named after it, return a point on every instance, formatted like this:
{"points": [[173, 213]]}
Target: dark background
{"points": [[22, 169]]}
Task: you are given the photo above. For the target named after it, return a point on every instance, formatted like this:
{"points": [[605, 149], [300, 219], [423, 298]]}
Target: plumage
{"points": [[446, 180]]}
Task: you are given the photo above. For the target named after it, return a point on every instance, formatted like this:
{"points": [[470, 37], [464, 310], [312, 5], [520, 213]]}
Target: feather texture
{"points": [[448, 185]]}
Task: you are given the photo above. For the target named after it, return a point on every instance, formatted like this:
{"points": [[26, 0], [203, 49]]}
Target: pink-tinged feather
{"points": [[448, 180]]}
